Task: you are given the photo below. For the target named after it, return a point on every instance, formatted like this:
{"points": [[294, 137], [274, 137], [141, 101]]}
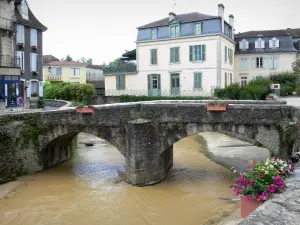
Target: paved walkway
{"points": [[294, 101]]}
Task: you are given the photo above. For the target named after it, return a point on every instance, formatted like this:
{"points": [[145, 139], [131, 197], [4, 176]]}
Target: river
{"points": [[90, 189]]}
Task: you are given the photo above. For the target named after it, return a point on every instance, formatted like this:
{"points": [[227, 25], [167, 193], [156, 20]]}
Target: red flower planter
{"points": [[248, 206], [217, 108], [85, 110]]}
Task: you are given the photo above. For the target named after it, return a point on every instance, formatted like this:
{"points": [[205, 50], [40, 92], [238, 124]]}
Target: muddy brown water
{"points": [[90, 189]]}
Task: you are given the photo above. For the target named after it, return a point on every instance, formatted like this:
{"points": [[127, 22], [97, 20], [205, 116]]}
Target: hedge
{"points": [[81, 93], [135, 98]]}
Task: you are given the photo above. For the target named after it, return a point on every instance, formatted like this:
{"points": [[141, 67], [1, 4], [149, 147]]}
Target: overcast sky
{"points": [[103, 29]]}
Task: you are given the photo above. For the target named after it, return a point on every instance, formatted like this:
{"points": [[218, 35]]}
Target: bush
{"points": [[284, 79], [286, 90], [135, 98], [41, 102], [81, 93]]}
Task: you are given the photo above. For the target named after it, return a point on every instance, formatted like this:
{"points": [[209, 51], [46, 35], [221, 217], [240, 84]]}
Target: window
{"points": [[58, 71], [243, 63], [244, 44], [243, 81], [154, 34], [24, 10], [226, 49], [51, 70], [198, 28], [34, 87], [34, 62], [174, 31], [33, 37], [259, 43], [120, 82], [197, 80], [230, 78], [20, 34], [230, 56], [174, 55], [259, 62], [74, 71], [22, 60], [153, 53], [197, 53], [273, 62], [274, 43]]}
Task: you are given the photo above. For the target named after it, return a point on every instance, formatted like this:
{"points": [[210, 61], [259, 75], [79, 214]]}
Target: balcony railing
{"points": [[125, 68], [9, 61], [6, 24], [53, 77]]}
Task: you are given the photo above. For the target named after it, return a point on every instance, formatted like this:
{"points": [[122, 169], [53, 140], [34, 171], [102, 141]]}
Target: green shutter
{"points": [[151, 56], [117, 83], [225, 79], [123, 82], [155, 56], [177, 59], [191, 53], [197, 80], [203, 52], [171, 54], [200, 80], [158, 83]]}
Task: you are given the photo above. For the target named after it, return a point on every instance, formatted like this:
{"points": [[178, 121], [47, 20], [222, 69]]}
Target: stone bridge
{"points": [[143, 132]]}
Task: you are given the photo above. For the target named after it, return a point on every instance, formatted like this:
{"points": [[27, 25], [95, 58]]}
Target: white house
{"points": [[187, 54], [262, 53]]}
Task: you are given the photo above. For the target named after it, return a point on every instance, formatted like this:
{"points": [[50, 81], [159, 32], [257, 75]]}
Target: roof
{"points": [[49, 58], [31, 22], [269, 33], [65, 63], [183, 18], [95, 66]]}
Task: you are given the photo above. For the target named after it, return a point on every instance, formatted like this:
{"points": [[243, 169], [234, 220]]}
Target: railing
{"points": [[9, 61], [6, 24], [53, 77], [125, 68]]}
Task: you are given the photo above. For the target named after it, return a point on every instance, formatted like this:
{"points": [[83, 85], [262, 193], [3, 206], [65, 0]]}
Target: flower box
{"points": [[21, 45], [34, 47], [88, 110], [248, 206], [217, 108], [35, 73]]}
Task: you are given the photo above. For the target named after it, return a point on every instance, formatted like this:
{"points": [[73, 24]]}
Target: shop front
{"points": [[10, 90]]}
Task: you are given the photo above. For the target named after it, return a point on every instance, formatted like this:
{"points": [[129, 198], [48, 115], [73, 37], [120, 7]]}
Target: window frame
{"points": [[200, 81], [175, 34], [120, 84], [202, 53], [33, 37], [36, 61], [153, 57], [173, 56], [198, 30], [74, 69], [21, 54], [226, 54], [259, 62], [243, 81], [154, 37], [20, 36], [58, 69]]}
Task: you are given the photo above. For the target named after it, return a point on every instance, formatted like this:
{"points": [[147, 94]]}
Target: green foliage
{"points": [[119, 66], [285, 79], [81, 93], [286, 90], [296, 66], [68, 58], [135, 98], [41, 102]]}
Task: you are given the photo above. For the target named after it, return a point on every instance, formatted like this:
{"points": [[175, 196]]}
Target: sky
{"points": [[104, 29]]}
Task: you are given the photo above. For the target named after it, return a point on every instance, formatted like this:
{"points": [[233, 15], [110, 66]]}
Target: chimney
{"points": [[221, 14], [171, 16], [231, 23]]}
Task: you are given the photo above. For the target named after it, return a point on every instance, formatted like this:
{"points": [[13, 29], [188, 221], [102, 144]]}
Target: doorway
{"points": [[175, 84]]}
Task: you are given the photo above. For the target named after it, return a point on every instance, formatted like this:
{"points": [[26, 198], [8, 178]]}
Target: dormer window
{"points": [[260, 43], [274, 43], [244, 44], [23, 9], [174, 30], [154, 34]]}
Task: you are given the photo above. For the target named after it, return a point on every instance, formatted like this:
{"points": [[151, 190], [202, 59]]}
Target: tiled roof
{"points": [[31, 22], [49, 58], [183, 18], [66, 63], [269, 33], [95, 66]]}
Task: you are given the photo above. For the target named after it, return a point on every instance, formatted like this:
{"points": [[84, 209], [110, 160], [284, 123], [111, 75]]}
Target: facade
{"points": [[10, 73], [262, 53], [95, 77], [187, 54], [65, 71], [29, 48]]}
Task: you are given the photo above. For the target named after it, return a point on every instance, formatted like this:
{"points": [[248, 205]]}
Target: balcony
{"points": [[54, 78], [6, 24], [9, 61], [123, 68]]}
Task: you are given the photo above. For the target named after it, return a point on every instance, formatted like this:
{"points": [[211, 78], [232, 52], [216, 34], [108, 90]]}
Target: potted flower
{"points": [[34, 96], [216, 105], [256, 184], [85, 109], [34, 47], [21, 45], [35, 73]]}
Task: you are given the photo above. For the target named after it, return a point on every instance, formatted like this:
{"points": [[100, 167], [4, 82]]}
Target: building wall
{"points": [[227, 67], [285, 61], [94, 74], [134, 84], [65, 74]]}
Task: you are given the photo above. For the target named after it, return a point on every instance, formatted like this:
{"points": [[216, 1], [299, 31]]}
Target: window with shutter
{"points": [[153, 56], [197, 53], [33, 37], [33, 62], [174, 55], [259, 43], [198, 80], [20, 34], [244, 44], [20, 54], [175, 30]]}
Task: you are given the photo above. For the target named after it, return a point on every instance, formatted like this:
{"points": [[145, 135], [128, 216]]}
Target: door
{"points": [[154, 85], [12, 94], [175, 84]]}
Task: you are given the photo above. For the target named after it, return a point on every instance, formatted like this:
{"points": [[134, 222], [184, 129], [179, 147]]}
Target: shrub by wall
{"points": [[81, 93], [135, 98]]}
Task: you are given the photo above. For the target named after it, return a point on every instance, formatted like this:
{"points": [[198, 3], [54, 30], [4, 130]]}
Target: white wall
{"points": [[226, 67], [285, 61]]}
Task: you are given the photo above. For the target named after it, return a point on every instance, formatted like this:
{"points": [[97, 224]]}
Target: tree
{"points": [[296, 66], [68, 58], [89, 61], [82, 60]]}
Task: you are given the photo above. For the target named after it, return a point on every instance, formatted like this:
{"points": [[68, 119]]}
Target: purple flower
{"points": [[250, 182], [272, 188], [243, 188], [249, 198], [265, 195]]}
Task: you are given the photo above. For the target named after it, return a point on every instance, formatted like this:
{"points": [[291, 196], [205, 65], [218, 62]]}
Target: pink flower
{"points": [[254, 162], [250, 182], [243, 188], [265, 195], [257, 196], [272, 188], [260, 176], [249, 198], [249, 166]]}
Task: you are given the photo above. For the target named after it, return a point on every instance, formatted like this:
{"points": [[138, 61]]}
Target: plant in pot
{"points": [[256, 184], [34, 96], [21, 45], [34, 47], [84, 109], [35, 73], [216, 105]]}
